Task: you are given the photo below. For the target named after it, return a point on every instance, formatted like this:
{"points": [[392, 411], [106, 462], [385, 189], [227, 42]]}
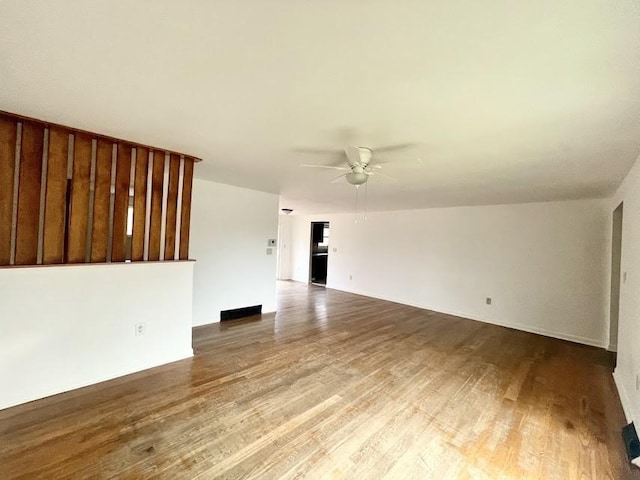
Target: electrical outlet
{"points": [[139, 329], [624, 277], [350, 277], [269, 251], [489, 300], [335, 249]]}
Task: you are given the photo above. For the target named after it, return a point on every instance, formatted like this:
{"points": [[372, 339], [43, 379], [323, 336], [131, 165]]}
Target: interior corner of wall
{"points": [[630, 413]]}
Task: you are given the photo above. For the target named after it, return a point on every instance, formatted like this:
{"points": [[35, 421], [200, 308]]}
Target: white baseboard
{"points": [[525, 328]]}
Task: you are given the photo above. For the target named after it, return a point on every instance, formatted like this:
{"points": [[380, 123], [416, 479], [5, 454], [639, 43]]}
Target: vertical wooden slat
{"points": [[147, 218], [172, 206], [14, 203], [102, 196], [176, 255], [139, 204], [112, 198], [8, 132], [155, 226], [79, 204], [186, 208], [92, 188], [55, 196], [121, 204], [43, 196], [29, 194], [165, 196]]}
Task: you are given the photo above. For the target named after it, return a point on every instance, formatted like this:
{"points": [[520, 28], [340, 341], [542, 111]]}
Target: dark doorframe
{"points": [[319, 253], [616, 264]]}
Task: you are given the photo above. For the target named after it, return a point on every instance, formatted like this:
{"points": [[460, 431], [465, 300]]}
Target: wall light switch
{"points": [[489, 300], [624, 277], [335, 249], [271, 242], [269, 251], [139, 329]]}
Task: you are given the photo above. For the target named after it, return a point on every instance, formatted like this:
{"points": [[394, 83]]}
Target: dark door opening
{"points": [[616, 273], [319, 253]]}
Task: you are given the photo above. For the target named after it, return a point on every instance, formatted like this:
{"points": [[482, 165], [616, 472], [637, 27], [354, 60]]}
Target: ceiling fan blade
{"points": [[337, 179], [390, 148], [383, 175], [414, 163], [321, 151], [330, 167], [353, 155]]}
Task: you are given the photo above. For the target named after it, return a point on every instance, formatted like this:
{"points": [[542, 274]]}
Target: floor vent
{"points": [[240, 312], [632, 444]]}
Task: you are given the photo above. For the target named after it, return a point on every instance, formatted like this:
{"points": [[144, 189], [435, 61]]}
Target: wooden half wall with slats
{"points": [[70, 196]]}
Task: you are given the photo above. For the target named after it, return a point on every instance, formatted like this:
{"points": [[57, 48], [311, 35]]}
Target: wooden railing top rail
{"points": [[48, 124]]}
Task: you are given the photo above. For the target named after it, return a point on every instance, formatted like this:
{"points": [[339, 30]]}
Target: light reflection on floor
{"points": [[320, 316]]}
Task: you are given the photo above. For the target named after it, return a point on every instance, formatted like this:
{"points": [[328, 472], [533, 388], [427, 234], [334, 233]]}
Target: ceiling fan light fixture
{"points": [[357, 178]]}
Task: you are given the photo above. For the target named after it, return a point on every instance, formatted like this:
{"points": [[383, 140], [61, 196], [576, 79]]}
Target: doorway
{"points": [[319, 253], [616, 263]]}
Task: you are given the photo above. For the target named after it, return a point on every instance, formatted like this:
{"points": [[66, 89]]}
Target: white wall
{"points": [[230, 227], [543, 264], [284, 247], [628, 368], [70, 326]]}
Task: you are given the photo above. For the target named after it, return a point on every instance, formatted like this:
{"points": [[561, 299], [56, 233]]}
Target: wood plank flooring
{"points": [[336, 386]]}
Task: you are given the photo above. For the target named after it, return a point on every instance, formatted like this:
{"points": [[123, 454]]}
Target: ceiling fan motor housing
{"points": [[365, 155]]}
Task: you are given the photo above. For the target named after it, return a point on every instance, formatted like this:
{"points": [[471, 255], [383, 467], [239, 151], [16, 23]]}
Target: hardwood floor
{"points": [[336, 386]]}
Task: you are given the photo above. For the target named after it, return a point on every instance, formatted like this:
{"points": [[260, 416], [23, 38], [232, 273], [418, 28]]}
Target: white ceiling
{"points": [[506, 101]]}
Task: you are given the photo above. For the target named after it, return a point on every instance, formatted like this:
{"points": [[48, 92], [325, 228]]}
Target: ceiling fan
{"points": [[359, 165]]}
